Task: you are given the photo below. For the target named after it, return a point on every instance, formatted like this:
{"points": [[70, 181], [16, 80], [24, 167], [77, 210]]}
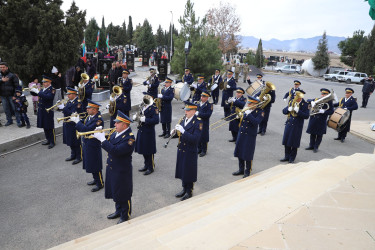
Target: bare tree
{"points": [[224, 23]]}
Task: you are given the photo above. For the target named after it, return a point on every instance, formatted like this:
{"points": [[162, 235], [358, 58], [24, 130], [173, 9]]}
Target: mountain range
{"points": [[298, 44]]}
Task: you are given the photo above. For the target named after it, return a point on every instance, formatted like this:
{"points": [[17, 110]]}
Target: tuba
{"points": [[264, 93], [319, 104], [116, 91], [81, 86]]}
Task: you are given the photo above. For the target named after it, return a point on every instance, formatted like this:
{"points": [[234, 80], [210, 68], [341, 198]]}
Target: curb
{"points": [[363, 137]]}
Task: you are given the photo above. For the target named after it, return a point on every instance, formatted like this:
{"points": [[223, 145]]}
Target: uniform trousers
{"points": [[241, 165], [290, 153], [50, 135], [215, 95], [124, 208], [202, 147], [98, 178], [365, 97], [76, 152], [315, 141], [188, 186], [149, 162], [166, 128]]}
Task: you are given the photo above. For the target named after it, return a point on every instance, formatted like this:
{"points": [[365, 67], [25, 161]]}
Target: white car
{"points": [[355, 77], [289, 69], [335, 75]]}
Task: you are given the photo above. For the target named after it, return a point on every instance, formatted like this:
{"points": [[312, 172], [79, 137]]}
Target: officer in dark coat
{"points": [[152, 83], [216, 80], [119, 170], [318, 122], [91, 148], [145, 143], [204, 112], [367, 90], [189, 132], [259, 79], [166, 96], [290, 94], [229, 86], [348, 103], [297, 111], [236, 104], [69, 127], [45, 119], [117, 102], [199, 88], [87, 87], [188, 77], [267, 110], [246, 140], [126, 84]]}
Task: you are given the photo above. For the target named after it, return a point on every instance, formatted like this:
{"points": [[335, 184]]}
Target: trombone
{"points": [[88, 134], [57, 104], [73, 115]]}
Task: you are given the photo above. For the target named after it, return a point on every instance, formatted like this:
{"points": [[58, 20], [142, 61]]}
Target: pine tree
{"points": [[130, 31], [349, 48], [321, 59], [121, 34], [366, 54], [250, 58], [259, 59], [103, 36], [91, 32], [159, 37], [145, 39]]}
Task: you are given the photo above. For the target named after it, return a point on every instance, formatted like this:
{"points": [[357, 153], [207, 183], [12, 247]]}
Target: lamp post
{"points": [[171, 37]]}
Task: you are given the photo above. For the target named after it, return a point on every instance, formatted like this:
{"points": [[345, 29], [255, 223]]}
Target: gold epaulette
{"points": [[131, 133], [199, 118], [99, 116]]}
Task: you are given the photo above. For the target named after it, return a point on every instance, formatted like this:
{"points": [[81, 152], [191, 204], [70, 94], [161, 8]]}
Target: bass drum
{"points": [[254, 88], [338, 119], [182, 91]]}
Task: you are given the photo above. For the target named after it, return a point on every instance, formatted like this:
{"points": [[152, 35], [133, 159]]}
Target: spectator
{"points": [[112, 80], [58, 84], [77, 75], [119, 70], [35, 83], [8, 85], [90, 69], [21, 104], [69, 77]]}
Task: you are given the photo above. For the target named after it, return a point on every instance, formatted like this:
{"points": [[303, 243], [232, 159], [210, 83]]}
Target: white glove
{"points": [[112, 98], [61, 106], [107, 107], [196, 113], [265, 98], [247, 111], [194, 85], [228, 86], [180, 128], [290, 109], [99, 128], [173, 131], [142, 119], [160, 95], [148, 82], [74, 119], [134, 117], [321, 111], [35, 90], [284, 99], [230, 99], [313, 104], [346, 108], [100, 136], [296, 109]]}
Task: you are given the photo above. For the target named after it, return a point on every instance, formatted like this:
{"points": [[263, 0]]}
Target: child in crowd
{"points": [[35, 84], [21, 104]]}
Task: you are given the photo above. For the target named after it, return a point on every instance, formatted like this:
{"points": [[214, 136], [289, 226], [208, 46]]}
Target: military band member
{"points": [[236, 104], [348, 103], [215, 79], [127, 84], [259, 79], [229, 86], [267, 111], [119, 170], [45, 119], [145, 143], [152, 83], [117, 102], [318, 122], [297, 111], [290, 94], [204, 112], [69, 127], [367, 90], [91, 148], [188, 77], [166, 97], [246, 140], [199, 87], [190, 130], [88, 87]]}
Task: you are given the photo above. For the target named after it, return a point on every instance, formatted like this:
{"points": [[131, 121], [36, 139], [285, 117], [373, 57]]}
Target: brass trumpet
{"points": [[57, 104], [68, 117], [88, 134]]}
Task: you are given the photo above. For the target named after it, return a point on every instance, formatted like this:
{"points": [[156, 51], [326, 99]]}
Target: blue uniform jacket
{"points": [[146, 141], [89, 88], [290, 94], [350, 104], [198, 92], [246, 139], [294, 125], [119, 170], [189, 79], [229, 91], [187, 152], [318, 122], [205, 112], [235, 124], [152, 90], [91, 147], [69, 128], [127, 85], [166, 105], [45, 119]]}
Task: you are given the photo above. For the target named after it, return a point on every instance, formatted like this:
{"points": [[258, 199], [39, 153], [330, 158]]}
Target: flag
{"points": [[107, 43], [97, 42], [84, 50], [372, 8]]}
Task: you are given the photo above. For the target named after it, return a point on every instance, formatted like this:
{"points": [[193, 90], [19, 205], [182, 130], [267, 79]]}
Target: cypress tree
{"points": [[259, 59], [90, 34], [130, 31], [321, 58]]}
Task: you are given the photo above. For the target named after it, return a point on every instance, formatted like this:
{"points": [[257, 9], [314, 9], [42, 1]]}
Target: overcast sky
{"points": [[266, 19]]}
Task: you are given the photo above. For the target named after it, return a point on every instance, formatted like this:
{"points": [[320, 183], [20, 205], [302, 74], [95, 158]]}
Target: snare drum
{"points": [[254, 88], [182, 91], [338, 119], [213, 87]]}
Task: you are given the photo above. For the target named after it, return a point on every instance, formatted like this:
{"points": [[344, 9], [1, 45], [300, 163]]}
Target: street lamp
{"points": [[171, 37], [187, 50]]}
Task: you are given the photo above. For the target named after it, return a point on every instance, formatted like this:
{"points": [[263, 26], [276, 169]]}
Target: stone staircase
{"points": [[229, 216]]}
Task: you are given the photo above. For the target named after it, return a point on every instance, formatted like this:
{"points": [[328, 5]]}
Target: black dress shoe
{"points": [[148, 172], [121, 221], [337, 139], [342, 140], [166, 136], [142, 169], [96, 189], [199, 151], [113, 215], [291, 161], [284, 159], [186, 196], [315, 150], [239, 172], [263, 133], [309, 148], [233, 140], [202, 154], [45, 143], [51, 146], [69, 158], [76, 161], [162, 135], [245, 175], [90, 183], [259, 132], [180, 194]]}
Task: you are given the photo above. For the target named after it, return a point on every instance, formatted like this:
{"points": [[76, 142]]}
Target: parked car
{"points": [[334, 75], [289, 69], [355, 77]]}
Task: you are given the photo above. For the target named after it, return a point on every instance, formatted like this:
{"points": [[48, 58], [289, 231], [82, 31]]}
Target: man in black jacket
{"points": [[8, 84], [368, 88]]}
